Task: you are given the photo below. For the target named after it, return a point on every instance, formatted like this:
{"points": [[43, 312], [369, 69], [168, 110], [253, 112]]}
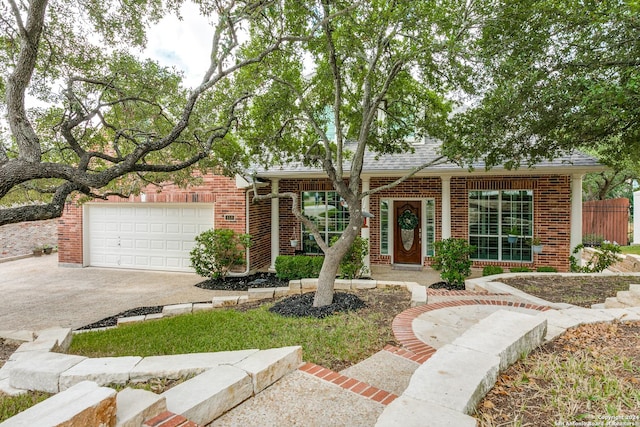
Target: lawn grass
{"points": [[11, 405], [336, 341], [635, 250]]}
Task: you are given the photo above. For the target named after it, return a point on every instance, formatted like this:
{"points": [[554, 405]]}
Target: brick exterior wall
{"points": [[551, 210], [260, 230], [551, 199], [218, 190]]}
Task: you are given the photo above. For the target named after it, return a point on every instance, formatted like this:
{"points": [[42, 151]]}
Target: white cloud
{"points": [[184, 44]]}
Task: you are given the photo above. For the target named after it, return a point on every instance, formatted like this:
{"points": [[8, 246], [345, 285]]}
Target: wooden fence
{"points": [[606, 219]]}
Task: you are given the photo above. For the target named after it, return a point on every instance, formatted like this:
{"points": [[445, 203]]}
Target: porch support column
{"points": [[364, 232], [636, 218], [446, 207], [275, 224], [576, 212]]}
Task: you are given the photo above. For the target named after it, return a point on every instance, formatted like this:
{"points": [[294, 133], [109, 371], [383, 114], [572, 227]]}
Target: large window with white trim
{"points": [[501, 224], [328, 212]]}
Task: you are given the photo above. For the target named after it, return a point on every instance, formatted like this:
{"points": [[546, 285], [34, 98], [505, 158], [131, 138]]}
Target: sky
{"points": [[184, 44]]}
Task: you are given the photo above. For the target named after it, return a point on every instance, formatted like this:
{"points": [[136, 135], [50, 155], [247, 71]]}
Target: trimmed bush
{"points": [[217, 251], [546, 269], [293, 267], [352, 263], [490, 270], [452, 259], [520, 270]]}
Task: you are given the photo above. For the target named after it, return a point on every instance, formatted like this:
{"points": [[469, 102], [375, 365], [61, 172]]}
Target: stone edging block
{"points": [[210, 394], [268, 366], [85, 404], [41, 371]]}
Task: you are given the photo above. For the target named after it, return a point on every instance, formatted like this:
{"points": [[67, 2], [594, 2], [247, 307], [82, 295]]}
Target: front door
{"points": [[407, 248]]}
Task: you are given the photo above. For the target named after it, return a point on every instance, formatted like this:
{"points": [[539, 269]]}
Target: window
{"points": [[430, 226], [384, 227], [429, 208], [492, 216], [328, 212]]}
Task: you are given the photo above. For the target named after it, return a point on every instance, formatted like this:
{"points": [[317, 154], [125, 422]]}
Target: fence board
{"points": [[607, 218]]}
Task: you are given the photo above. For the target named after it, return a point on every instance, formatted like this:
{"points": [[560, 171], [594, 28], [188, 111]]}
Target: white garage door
{"points": [[141, 236]]}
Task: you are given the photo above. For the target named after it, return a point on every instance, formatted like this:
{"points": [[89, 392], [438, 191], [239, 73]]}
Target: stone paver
{"points": [[101, 370], [180, 365], [210, 394], [299, 399], [409, 412], [384, 370], [41, 371], [440, 327], [85, 404]]}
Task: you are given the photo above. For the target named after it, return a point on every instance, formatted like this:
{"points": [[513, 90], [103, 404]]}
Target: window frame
{"points": [[498, 231], [325, 231]]}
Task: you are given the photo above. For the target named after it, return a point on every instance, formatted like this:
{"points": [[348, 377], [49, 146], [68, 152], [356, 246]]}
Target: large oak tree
{"points": [[557, 75], [86, 116], [374, 75]]}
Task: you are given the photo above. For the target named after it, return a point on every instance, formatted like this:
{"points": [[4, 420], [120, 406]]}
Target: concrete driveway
{"points": [[35, 293]]}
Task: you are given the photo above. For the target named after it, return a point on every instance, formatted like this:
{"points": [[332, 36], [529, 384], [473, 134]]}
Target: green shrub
{"points": [[519, 269], [606, 255], [217, 251], [546, 269], [452, 259], [293, 267], [352, 263], [490, 270]]}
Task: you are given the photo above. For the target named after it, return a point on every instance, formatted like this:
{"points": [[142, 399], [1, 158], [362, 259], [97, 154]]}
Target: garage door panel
{"points": [[157, 244], [145, 237]]}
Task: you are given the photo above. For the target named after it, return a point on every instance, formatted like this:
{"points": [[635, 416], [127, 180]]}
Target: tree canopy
{"points": [[369, 75], [557, 75], [86, 115]]}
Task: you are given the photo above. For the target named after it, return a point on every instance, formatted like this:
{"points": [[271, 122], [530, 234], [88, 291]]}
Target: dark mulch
{"points": [[302, 305], [578, 290], [257, 280], [113, 320], [446, 285]]}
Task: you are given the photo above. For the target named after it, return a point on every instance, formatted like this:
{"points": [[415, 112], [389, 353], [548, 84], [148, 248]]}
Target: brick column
{"points": [[446, 207], [636, 218], [576, 211]]}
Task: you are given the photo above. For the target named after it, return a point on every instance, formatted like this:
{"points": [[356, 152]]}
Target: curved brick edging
{"points": [[350, 384], [403, 329]]}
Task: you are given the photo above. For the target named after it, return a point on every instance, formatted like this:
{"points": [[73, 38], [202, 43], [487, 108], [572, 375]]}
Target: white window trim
{"points": [[423, 221]]}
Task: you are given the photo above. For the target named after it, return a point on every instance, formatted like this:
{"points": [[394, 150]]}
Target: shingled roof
{"points": [[401, 163]]}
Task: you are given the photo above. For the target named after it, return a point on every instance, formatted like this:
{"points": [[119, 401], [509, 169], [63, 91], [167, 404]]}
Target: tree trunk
{"points": [[327, 278], [332, 258]]}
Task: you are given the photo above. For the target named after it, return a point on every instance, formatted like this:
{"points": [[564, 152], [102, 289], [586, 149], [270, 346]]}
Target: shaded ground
{"points": [[578, 290], [6, 350]]}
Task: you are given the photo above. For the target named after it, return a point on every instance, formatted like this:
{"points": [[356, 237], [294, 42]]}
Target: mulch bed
{"points": [[582, 291], [236, 283], [302, 305]]}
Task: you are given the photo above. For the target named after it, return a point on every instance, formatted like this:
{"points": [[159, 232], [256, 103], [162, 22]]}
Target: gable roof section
{"points": [[400, 164]]}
